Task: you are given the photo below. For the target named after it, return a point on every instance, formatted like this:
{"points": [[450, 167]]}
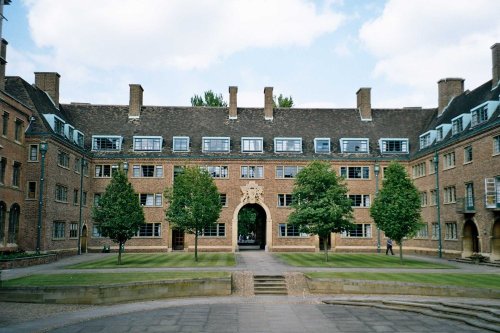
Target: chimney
{"points": [[364, 103], [495, 53], [3, 62], [49, 82], [448, 89], [268, 103], [135, 103], [233, 103]]}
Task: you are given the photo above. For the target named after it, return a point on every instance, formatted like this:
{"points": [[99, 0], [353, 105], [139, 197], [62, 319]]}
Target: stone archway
{"points": [[13, 233], [252, 227], [495, 241], [470, 240]]}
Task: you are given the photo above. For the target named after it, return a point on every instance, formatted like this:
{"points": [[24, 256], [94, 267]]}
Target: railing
{"points": [[465, 205]]}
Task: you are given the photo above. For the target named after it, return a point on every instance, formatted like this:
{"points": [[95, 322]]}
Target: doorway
{"points": [[83, 240], [470, 239], [177, 239], [495, 241], [252, 227]]}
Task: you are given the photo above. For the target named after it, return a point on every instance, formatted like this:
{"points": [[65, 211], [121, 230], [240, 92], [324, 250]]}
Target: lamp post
{"points": [[438, 204], [82, 162], [376, 169], [43, 150]]}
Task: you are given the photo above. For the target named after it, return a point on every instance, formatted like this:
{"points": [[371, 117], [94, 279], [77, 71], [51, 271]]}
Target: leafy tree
{"points": [[118, 214], [211, 99], [246, 221], [194, 202], [396, 209], [320, 202], [283, 102]]}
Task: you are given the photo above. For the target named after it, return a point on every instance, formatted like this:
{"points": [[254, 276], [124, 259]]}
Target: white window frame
{"points": [[69, 132], [427, 139], [449, 160], [365, 200], [52, 119], [252, 174], [344, 141], [220, 230], [465, 118], [468, 151], [404, 145], [257, 139], [450, 195], [30, 151], [79, 138], [297, 168], [316, 140], [442, 131], [152, 199], [363, 168], [180, 138], [285, 148], [223, 150], [487, 107], [287, 200], [284, 230], [366, 231], [139, 167], [496, 145], [222, 173], [116, 140], [153, 149], [451, 231], [155, 230]]}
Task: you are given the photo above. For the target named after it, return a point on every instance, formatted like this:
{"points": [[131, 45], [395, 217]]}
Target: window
{"points": [[151, 199], [457, 125], [435, 231], [58, 126], [180, 144], [252, 145], [423, 232], [288, 230], [434, 198], [287, 145], [105, 170], [85, 168], [61, 193], [97, 197], [423, 199], [449, 160], [496, 145], [149, 230], [427, 138], [107, 143], [31, 190], [362, 230], [252, 171], [217, 171], [58, 230], [322, 145], [215, 230], [479, 115], [84, 198], [284, 200], [442, 131], [95, 232], [287, 171], [5, 123], [178, 170], [394, 146], [449, 194], [70, 131], [354, 145], [18, 130], [360, 200], [63, 159], [147, 143], [469, 196], [355, 172], [451, 231], [418, 170], [3, 166], [73, 230], [147, 171], [223, 199], [75, 197], [468, 154], [16, 174], [79, 138], [216, 144], [492, 192]]}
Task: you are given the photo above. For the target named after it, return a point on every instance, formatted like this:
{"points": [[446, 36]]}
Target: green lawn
{"points": [[152, 260], [347, 260], [490, 281], [97, 279]]}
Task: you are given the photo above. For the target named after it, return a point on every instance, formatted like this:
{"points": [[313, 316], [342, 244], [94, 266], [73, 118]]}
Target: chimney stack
{"points": [[364, 103], [448, 89], [495, 53], [135, 103], [3, 62], [233, 103], [49, 82], [268, 103]]}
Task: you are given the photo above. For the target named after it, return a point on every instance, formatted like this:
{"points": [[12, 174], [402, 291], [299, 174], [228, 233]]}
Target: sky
{"points": [[320, 52]]}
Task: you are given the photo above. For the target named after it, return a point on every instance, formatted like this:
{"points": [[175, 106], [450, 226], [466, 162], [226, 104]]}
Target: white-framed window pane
{"points": [[249, 145], [147, 144], [181, 144], [106, 143], [322, 145], [354, 145], [216, 145], [288, 145]]}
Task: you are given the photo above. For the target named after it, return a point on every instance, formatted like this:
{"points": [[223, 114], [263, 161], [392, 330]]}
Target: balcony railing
{"points": [[465, 205]]}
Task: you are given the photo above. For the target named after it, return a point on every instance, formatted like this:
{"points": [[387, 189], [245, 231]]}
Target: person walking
{"points": [[389, 247]]}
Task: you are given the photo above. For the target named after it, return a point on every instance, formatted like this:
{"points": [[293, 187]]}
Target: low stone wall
{"points": [[27, 261], [118, 293], [341, 286]]}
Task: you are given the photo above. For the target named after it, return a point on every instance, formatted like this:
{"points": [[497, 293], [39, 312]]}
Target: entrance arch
{"points": [[470, 241], [83, 240], [495, 240], [267, 225], [251, 227]]}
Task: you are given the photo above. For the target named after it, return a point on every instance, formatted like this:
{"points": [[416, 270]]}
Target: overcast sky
{"points": [[318, 51]]}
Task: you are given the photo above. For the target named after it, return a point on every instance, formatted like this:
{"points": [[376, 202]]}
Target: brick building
{"points": [[253, 155]]}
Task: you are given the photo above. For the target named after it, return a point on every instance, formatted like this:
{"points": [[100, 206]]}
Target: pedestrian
{"points": [[389, 247]]}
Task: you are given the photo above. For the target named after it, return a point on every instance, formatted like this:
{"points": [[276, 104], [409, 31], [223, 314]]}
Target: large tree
{"points": [[210, 99], [118, 214], [194, 202], [396, 209], [320, 202], [283, 102]]}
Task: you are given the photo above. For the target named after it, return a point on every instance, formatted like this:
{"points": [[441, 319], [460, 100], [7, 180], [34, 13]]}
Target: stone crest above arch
{"points": [[252, 193]]}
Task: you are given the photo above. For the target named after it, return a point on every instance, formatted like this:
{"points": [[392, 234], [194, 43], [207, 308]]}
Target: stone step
{"points": [[270, 285]]}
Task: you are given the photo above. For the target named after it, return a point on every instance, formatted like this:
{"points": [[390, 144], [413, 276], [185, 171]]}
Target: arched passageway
{"points": [[15, 212], [495, 240], [252, 227], [470, 242], [83, 240]]}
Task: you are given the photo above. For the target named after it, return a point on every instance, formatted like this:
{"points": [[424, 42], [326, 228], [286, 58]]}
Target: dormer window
{"points": [[442, 131], [181, 144], [68, 131], [458, 124], [79, 138], [479, 115], [251, 145], [322, 145], [216, 144], [288, 145], [354, 145], [56, 123], [427, 138], [106, 143], [147, 143], [393, 146]]}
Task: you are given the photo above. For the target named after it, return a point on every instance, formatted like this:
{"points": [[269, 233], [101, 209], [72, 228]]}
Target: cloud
{"points": [[418, 42], [179, 34]]}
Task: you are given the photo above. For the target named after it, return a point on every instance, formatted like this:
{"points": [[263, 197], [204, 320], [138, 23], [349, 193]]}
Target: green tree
{"points": [[321, 205], [211, 99], [246, 221], [396, 209], [194, 202], [283, 102], [118, 214]]}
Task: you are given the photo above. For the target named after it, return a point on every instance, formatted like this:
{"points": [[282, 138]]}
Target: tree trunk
{"points": [[325, 248], [120, 244], [196, 245], [401, 251]]}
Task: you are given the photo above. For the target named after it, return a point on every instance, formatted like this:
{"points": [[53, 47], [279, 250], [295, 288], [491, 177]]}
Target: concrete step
{"points": [[270, 285]]}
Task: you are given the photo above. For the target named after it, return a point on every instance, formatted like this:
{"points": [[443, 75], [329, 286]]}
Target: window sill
{"points": [[211, 237], [58, 239], [33, 161], [449, 168], [451, 239], [64, 167], [59, 201], [467, 163]]}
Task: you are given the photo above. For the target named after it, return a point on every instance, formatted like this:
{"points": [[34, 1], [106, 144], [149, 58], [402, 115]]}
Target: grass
{"points": [[98, 279], [351, 260], [489, 281], [156, 260]]}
